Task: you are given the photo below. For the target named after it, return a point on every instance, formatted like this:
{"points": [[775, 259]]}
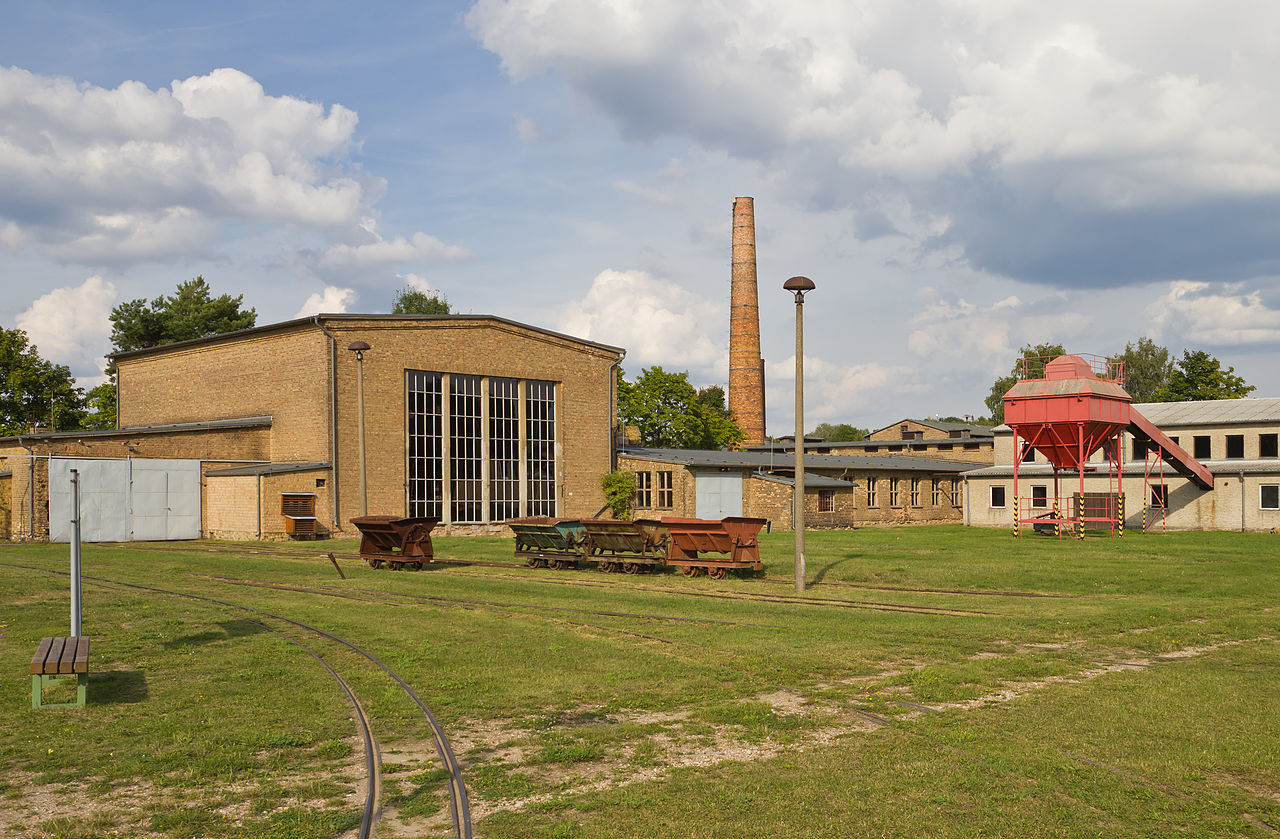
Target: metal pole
{"points": [[75, 552], [799, 285], [364, 496]]}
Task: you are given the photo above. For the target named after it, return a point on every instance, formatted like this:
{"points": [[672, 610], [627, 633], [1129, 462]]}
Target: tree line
{"points": [[37, 392]]}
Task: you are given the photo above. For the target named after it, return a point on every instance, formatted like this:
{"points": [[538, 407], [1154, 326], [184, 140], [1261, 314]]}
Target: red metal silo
{"points": [[1068, 408]]}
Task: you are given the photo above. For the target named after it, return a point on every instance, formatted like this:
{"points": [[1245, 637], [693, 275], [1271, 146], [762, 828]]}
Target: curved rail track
{"points": [[459, 808]]}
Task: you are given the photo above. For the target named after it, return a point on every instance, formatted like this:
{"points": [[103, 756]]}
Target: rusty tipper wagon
{"points": [[541, 540], [734, 535], [625, 546], [395, 541]]}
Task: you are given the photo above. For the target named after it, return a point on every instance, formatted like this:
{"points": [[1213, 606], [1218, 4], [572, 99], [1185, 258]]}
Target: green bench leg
{"points": [[38, 683]]}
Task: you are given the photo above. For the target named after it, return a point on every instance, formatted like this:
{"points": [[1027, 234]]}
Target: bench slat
{"points": [[55, 655], [42, 653], [81, 663]]}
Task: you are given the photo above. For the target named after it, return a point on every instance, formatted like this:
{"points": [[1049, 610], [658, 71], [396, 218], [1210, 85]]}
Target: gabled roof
{"points": [[715, 459], [974, 429], [317, 319], [1213, 411], [207, 425]]}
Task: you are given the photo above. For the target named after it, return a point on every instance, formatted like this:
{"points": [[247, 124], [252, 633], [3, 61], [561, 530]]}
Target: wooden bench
{"points": [[60, 660]]}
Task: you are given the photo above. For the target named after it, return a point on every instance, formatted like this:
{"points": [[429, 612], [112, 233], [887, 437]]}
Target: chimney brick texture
{"points": [[746, 368]]}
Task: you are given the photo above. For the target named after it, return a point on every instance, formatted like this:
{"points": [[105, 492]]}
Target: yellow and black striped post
{"points": [[1057, 520], [1144, 518], [1017, 525], [1120, 515]]}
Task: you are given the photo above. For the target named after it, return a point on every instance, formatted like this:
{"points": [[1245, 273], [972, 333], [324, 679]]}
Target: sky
{"points": [[958, 177]]}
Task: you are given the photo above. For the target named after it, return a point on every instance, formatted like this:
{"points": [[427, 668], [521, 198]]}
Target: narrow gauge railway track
{"points": [[460, 810], [773, 579]]}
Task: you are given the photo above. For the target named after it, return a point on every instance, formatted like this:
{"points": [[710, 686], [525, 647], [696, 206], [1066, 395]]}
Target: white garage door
{"points": [[124, 500], [718, 494]]}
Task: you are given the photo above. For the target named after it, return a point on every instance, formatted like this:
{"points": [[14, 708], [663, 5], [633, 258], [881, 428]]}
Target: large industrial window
{"points": [[871, 490], [490, 451], [540, 452], [893, 492], [465, 420], [997, 497], [644, 490], [426, 467], [1267, 445], [666, 497], [504, 449], [1200, 446], [1235, 446], [1269, 496]]}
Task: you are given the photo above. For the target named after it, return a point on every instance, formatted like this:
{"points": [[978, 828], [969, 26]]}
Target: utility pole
{"points": [[799, 285]]}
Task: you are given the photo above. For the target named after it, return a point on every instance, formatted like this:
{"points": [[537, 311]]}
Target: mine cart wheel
{"points": [[557, 564], [532, 562], [717, 573], [631, 567], [416, 566], [373, 563], [395, 566], [691, 570], [606, 567]]}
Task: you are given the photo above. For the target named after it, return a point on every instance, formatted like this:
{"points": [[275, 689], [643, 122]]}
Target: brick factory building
{"points": [[1235, 439], [840, 490], [908, 438], [470, 418]]}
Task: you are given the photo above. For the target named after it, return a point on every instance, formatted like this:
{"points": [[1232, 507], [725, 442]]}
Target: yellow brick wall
{"points": [[229, 507]]}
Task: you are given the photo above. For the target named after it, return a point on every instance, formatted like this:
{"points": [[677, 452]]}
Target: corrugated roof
{"points": [[238, 422], [266, 469], [811, 481], [1224, 468], [1212, 412], [714, 459]]}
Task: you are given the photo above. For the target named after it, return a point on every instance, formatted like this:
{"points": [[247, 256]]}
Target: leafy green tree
{"points": [[1147, 368], [192, 312], [839, 433], [410, 301], [670, 413], [1044, 352], [619, 488], [1199, 376], [34, 391]]}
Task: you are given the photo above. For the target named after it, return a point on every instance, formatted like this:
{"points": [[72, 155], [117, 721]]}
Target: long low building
{"points": [[1235, 439], [840, 490]]}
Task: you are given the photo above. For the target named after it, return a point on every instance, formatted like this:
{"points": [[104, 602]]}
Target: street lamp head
{"points": [[358, 347], [799, 285]]}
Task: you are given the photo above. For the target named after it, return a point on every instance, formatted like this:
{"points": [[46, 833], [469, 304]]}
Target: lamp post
{"points": [[359, 347], [799, 285]]}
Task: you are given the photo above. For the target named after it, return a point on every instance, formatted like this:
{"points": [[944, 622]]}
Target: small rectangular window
{"points": [[935, 497], [826, 501], [1267, 445], [893, 492], [1175, 441], [666, 496], [871, 490], [1159, 495], [971, 447], [1139, 449], [1235, 446], [915, 492], [997, 497], [1269, 496], [1040, 497], [955, 492], [644, 490], [1200, 447], [1029, 456], [944, 447]]}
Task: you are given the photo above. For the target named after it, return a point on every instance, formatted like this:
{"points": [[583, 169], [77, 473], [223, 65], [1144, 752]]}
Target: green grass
{"points": [[203, 723]]}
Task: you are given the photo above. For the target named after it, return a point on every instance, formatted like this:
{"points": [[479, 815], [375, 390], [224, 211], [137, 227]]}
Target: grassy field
{"points": [[954, 682]]}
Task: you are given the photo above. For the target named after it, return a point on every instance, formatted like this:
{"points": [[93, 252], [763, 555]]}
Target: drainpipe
{"points": [[965, 501], [259, 508], [1242, 502], [31, 489], [613, 412], [333, 420]]}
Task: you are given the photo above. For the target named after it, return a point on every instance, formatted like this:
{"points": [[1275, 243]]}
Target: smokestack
{"points": [[746, 368]]}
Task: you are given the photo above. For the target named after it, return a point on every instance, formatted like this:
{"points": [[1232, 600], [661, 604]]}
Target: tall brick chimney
{"points": [[746, 368]]}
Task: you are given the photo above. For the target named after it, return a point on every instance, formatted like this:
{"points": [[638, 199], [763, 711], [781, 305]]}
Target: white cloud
{"points": [[417, 283], [834, 392], [71, 325], [331, 301], [1229, 317], [528, 130], [421, 246], [1021, 130], [659, 323], [11, 235], [94, 174]]}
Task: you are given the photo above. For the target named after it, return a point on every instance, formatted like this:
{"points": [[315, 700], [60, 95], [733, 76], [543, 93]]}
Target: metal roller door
{"points": [[126, 500]]}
